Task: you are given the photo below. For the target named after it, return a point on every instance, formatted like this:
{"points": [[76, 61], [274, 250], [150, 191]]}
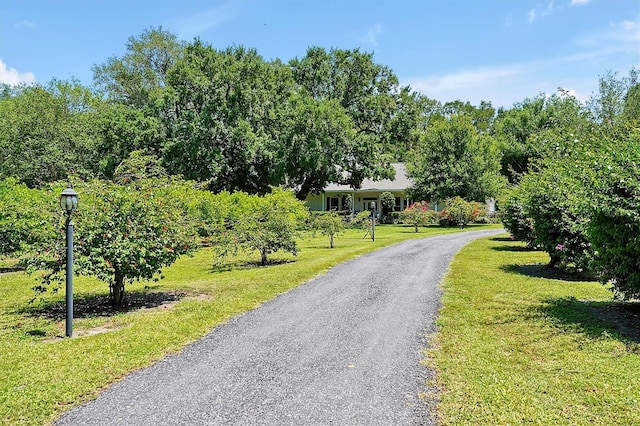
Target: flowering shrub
{"points": [[418, 214], [460, 212], [551, 197], [122, 234], [614, 211]]}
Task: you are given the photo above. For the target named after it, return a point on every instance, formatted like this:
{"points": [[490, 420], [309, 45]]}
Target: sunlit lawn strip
{"points": [[515, 347], [44, 374]]}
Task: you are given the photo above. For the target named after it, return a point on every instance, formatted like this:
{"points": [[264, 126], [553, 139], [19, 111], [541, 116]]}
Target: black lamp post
{"points": [[69, 202], [373, 221]]}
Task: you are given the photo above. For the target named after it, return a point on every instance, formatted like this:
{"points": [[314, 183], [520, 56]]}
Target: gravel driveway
{"points": [[342, 349]]}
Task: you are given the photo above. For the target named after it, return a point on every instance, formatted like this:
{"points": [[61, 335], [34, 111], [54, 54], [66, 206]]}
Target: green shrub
{"points": [[460, 212], [552, 197], [329, 223], [515, 217], [614, 226], [265, 224], [388, 203], [26, 216]]}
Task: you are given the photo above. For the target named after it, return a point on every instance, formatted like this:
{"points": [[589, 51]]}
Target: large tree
{"points": [[413, 114], [533, 128], [138, 77], [225, 104], [315, 139], [47, 132], [453, 159], [607, 106], [366, 91]]}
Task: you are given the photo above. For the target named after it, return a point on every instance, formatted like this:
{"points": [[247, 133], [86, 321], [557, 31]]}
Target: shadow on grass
{"points": [[100, 306], [597, 318], [244, 265], [544, 271], [9, 269], [503, 239], [512, 248]]}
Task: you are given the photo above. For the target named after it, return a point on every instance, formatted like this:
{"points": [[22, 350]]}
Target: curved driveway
{"points": [[342, 349]]}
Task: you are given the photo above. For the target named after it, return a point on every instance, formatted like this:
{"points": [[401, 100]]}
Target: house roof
{"points": [[400, 183]]}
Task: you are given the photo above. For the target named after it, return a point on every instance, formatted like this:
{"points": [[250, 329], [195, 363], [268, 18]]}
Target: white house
{"points": [[333, 196]]}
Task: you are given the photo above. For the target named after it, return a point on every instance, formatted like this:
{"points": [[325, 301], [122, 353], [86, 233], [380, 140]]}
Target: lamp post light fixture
{"points": [[373, 221], [69, 202]]}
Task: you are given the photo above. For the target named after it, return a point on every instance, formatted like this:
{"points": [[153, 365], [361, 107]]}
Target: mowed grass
{"points": [[44, 374], [518, 345]]}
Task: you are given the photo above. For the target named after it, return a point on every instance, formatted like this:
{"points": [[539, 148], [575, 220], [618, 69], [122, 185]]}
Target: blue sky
{"points": [[494, 50]]}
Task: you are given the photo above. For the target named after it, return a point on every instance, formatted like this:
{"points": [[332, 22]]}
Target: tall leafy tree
{"points": [[225, 104], [315, 138], [481, 116], [632, 105], [138, 77], [413, 113], [48, 132], [123, 129], [608, 105], [533, 128], [453, 159], [365, 90]]}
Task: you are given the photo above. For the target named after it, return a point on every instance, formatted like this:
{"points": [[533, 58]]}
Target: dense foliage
{"points": [[461, 212], [564, 173], [453, 159], [270, 223], [580, 201], [25, 217]]}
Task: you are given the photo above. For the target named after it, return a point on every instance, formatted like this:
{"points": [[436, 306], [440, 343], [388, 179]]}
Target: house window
{"points": [[407, 202], [397, 207], [332, 203]]}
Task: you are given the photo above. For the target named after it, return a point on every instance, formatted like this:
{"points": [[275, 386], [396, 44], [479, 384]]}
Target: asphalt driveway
{"points": [[343, 349]]}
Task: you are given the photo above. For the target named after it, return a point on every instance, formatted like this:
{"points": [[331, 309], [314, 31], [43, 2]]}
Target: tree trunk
{"points": [[304, 190], [263, 253], [331, 240], [117, 290]]}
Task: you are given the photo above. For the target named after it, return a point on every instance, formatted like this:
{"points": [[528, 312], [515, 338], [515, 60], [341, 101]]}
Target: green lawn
{"points": [[44, 374], [519, 345]]}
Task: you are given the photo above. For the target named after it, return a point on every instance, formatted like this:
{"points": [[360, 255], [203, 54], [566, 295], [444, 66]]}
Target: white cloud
{"points": [[617, 38], [12, 77], [508, 20], [473, 85], [372, 35], [540, 11], [24, 24], [626, 31], [198, 24], [615, 48], [465, 79], [575, 2]]}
